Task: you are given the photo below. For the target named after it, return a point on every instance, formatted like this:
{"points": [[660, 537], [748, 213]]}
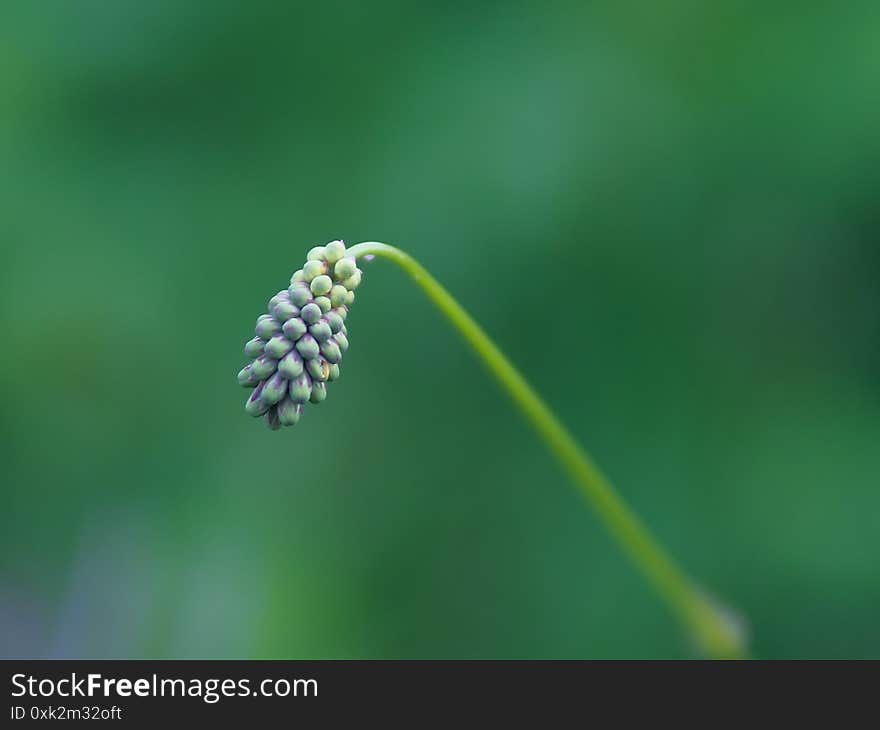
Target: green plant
{"points": [[299, 345]]}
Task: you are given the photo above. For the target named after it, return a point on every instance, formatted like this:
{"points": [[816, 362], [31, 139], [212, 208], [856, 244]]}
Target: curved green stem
{"points": [[713, 632]]}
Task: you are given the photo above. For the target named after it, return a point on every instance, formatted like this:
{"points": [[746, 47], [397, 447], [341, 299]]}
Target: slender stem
{"points": [[713, 632]]}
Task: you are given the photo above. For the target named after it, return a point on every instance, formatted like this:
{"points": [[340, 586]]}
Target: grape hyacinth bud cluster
{"points": [[300, 342]]}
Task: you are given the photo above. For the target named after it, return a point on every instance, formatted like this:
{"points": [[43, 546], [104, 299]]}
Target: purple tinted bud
{"points": [[308, 347], [334, 320], [310, 313], [284, 311], [300, 294], [254, 347], [291, 365], [294, 329], [255, 405], [319, 369], [272, 420], [319, 393], [246, 377], [266, 326], [278, 347], [274, 389], [330, 350], [263, 367], [300, 388], [320, 331], [281, 296], [289, 412]]}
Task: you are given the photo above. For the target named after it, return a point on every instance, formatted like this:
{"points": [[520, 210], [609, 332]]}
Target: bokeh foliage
{"points": [[666, 214]]}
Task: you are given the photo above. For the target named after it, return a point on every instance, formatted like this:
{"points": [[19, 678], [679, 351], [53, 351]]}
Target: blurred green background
{"points": [[665, 213]]}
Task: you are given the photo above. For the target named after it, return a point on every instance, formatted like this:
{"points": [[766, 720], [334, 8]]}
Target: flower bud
{"points": [[310, 313], [344, 268], [320, 331], [263, 367], [274, 389], [291, 365], [314, 269], [254, 347], [255, 406], [278, 347], [266, 326], [337, 295], [319, 393], [334, 251], [324, 304], [330, 350], [308, 347], [289, 412], [353, 281], [281, 296], [321, 285], [272, 420], [283, 311], [300, 294], [294, 329], [319, 369], [334, 320], [300, 388], [300, 342], [246, 377]]}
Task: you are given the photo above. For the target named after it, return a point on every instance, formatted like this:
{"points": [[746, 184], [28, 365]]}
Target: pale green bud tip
{"points": [[321, 285], [344, 268], [337, 295], [353, 281], [323, 304], [313, 269], [334, 251], [300, 342]]}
